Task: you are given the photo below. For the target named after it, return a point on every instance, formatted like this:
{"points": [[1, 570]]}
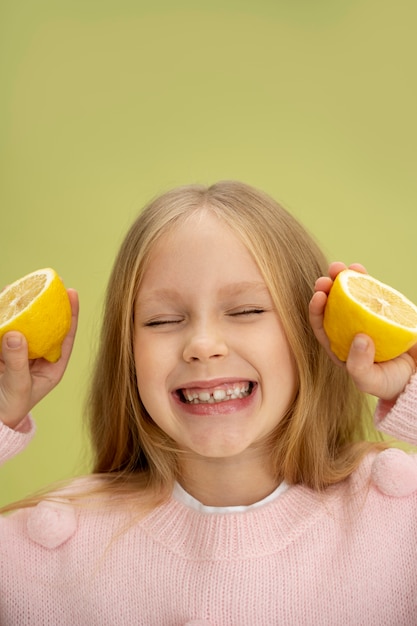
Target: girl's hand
{"points": [[24, 383], [384, 380]]}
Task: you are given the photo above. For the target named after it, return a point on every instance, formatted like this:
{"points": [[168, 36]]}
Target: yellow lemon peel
{"points": [[359, 303], [38, 306]]}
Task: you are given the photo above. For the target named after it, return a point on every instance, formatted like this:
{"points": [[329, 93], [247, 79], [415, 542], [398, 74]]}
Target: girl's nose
{"points": [[204, 343]]}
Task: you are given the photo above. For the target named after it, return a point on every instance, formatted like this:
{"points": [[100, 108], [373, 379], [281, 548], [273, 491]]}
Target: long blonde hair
{"points": [[324, 434], [322, 438]]}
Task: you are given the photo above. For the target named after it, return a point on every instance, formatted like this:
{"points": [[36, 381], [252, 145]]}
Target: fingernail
{"points": [[13, 341], [360, 344]]}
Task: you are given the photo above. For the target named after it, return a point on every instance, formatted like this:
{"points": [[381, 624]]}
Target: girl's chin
{"points": [[215, 448]]}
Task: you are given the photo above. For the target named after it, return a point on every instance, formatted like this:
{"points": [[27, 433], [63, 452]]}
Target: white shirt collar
{"points": [[182, 496]]}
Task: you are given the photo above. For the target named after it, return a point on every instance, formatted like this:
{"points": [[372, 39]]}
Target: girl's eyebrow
{"points": [[232, 289]]}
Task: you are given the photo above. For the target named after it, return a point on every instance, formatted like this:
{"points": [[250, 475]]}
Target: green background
{"points": [[106, 104]]}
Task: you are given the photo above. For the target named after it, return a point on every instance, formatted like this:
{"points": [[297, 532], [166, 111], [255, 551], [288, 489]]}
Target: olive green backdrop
{"points": [[105, 104]]}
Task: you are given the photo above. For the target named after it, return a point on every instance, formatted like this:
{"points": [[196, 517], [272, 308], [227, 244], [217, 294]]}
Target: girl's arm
{"points": [[24, 383], [384, 380]]}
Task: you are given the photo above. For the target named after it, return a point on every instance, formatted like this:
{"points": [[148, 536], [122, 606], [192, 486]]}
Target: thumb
{"points": [[15, 354], [15, 381], [360, 361]]}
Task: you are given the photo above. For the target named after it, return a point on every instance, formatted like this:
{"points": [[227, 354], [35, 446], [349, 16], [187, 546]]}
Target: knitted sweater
{"points": [[344, 557]]}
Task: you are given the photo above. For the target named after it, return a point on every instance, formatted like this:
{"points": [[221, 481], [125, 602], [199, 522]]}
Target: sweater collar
{"points": [[259, 531]]}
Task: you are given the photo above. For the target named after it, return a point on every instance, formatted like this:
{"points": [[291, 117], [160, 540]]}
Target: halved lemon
{"points": [[38, 306], [359, 303]]}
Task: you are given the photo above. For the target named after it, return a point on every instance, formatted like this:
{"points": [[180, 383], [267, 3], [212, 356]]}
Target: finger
{"points": [[16, 379], [73, 298], [335, 268], [316, 311], [413, 353], [358, 268], [75, 308], [15, 355], [324, 283], [360, 362]]}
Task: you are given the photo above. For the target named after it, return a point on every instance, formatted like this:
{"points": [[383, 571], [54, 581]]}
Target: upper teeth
{"points": [[217, 395]]}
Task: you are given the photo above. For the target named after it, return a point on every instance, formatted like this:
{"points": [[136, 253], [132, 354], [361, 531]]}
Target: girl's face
{"points": [[214, 368]]}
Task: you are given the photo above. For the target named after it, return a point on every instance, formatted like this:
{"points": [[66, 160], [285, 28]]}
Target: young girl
{"points": [[232, 483]]}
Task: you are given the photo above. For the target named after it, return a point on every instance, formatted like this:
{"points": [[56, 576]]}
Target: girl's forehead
{"points": [[200, 249], [193, 230]]}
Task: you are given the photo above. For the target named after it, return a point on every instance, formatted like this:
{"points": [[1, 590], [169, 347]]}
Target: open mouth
{"points": [[224, 393]]}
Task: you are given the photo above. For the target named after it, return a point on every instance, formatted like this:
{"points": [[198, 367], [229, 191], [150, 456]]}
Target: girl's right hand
{"points": [[24, 383]]}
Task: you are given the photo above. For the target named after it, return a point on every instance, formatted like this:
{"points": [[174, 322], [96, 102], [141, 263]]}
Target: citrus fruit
{"points": [[359, 303], [38, 306]]}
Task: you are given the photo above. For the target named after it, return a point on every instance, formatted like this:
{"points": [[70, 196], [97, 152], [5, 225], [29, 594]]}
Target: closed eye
{"points": [[162, 322], [247, 312]]}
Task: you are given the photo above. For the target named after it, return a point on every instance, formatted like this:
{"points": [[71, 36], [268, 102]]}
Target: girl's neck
{"points": [[227, 482]]}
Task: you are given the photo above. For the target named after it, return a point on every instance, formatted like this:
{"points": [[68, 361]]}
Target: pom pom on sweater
{"points": [[394, 472], [50, 524]]}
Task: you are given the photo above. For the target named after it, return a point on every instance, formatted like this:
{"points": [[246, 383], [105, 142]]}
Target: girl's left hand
{"points": [[384, 380]]}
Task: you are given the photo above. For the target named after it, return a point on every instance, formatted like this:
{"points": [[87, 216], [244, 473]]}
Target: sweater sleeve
{"points": [[400, 419], [14, 441]]}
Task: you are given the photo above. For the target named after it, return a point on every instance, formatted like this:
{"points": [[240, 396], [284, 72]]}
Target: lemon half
{"points": [[38, 306], [359, 303]]}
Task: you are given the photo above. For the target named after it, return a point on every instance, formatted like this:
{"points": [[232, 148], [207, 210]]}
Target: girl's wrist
{"points": [[19, 424]]}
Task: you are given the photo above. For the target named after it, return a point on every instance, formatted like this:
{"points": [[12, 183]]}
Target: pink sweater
{"points": [[348, 556]]}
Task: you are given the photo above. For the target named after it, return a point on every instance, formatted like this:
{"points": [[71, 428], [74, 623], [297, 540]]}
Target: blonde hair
{"points": [[324, 434], [321, 439]]}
